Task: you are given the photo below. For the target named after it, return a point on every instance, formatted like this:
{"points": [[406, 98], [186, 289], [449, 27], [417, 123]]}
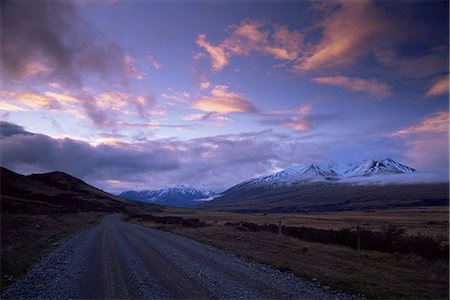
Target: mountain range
{"points": [[330, 187], [182, 195], [322, 172]]}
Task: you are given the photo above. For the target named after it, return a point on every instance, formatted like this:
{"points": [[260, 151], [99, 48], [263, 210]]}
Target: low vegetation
{"points": [[376, 274], [26, 239]]}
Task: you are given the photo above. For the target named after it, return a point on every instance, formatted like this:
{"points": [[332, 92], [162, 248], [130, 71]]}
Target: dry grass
{"points": [[374, 274], [429, 221], [25, 239]]}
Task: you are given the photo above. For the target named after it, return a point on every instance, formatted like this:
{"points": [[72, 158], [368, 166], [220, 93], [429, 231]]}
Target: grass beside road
{"points": [[374, 274], [26, 239]]}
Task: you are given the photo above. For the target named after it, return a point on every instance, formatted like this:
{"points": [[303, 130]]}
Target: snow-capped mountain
{"points": [[297, 174], [378, 167], [182, 195], [323, 172]]}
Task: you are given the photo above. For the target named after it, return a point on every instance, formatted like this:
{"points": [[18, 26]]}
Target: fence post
{"points": [[358, 237], [279, 228]]}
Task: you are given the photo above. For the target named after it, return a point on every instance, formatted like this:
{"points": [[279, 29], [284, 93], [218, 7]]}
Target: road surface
{"points": [[121, 260]]}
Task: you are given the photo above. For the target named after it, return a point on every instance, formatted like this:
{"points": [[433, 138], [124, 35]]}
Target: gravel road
{"points": [[121, 260]]}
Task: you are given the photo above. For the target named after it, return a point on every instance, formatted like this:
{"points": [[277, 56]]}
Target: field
{"points": [[374, 274], [25, 239]]}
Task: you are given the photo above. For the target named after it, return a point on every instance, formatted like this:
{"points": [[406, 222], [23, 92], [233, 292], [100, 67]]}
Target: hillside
{"points": [[326, 196], [55, 192]]}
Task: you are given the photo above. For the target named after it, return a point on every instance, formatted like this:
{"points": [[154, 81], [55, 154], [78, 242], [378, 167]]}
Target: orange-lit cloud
{"points": [[250, 36], [223, 101], [372, 87], [218, 56], [25, 101], [354, 29], [440, 87]]}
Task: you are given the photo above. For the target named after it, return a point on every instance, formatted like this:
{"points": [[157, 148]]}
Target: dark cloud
{"points": [[9, 129], [216, 162], [53, 34], [41, 153]]}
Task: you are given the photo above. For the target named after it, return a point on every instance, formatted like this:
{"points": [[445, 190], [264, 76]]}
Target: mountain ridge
{"points": [[180, 195]]}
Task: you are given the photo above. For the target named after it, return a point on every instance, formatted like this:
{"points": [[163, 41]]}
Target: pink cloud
{"points": [[250, 36], [428, 141], [207, 116], [153, 61], [130, 70], [286, 44], [372, 87], [297, 123], [36, 68], [223, 101], [434, 124], [205, 85], [172, 94], [440, 87]]}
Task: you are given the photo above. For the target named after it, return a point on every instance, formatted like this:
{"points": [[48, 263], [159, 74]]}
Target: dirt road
{"points": [[121, 260]]}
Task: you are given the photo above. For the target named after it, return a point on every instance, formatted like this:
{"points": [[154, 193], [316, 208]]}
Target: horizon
{"points": [[141, 95]]}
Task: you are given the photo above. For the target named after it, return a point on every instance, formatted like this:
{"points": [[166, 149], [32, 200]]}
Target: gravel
{"points": [[121, 260]]}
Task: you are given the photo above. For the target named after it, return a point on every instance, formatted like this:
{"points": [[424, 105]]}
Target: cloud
{"points": [[172, 94], [214, 162], [104, 109], [218, 56], [440, 87], [9, 129], [223, 101], [372, 87], [49, 39], [129, 68], [207, 116], [428, 141], [434, 124], [251, 36], [304, 110], [205, 85], [351, 29], [153, 61], [297, 123]]}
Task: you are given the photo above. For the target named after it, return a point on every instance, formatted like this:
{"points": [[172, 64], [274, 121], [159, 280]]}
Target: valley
{"points": [[42, 212]]}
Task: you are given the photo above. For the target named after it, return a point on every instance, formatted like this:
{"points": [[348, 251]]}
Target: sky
{"points": [[144, 94]]}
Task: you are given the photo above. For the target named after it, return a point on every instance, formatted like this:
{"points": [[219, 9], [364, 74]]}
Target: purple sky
{"points": [[143, 94]]}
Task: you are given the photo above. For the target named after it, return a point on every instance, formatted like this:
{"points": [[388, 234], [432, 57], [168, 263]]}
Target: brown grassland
{"points": [[373, 274]]}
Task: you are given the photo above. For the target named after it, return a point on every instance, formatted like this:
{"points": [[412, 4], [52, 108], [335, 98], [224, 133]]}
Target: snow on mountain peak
{"points": [[326, 172], [378, 167]]}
